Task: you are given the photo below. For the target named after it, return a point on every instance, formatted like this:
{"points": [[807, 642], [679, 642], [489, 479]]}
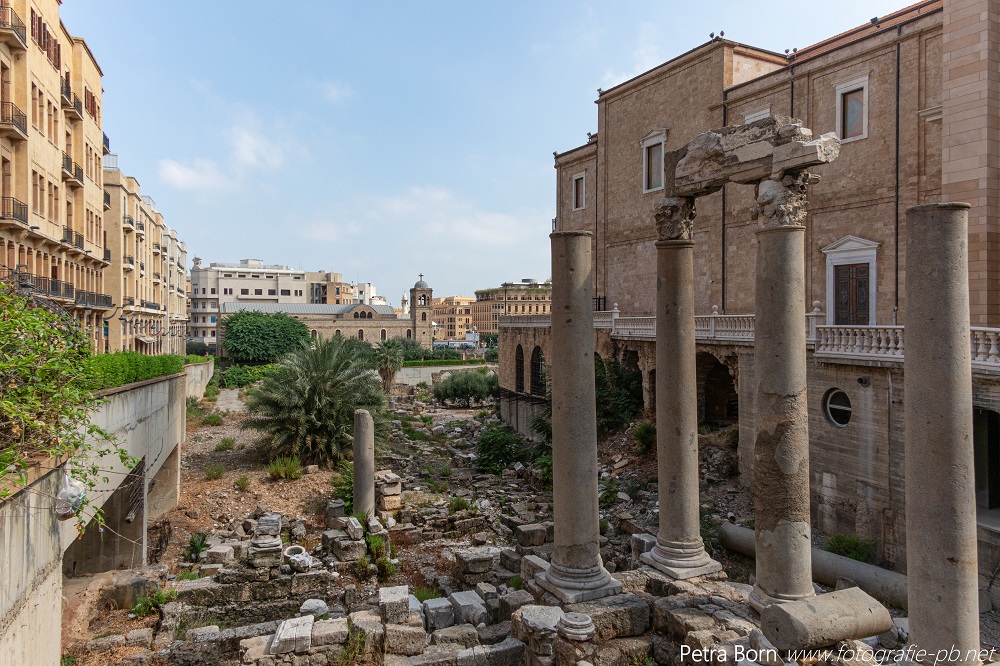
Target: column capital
{"points": [[783, 203], [674, 218]]}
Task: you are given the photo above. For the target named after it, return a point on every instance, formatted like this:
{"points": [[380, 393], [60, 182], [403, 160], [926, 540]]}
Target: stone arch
{"points": [[356, 315], [313, 334], [423, 316], [369, 315], [361, 334], [537, 372], [382, 335], [409, 333], [717, 398], [519, 370], [337, 332]]}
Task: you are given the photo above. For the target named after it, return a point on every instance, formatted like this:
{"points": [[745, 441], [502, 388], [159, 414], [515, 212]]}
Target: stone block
{"points": [[531, 565], [369, 622], [532, 619], [390, 502], [438, 614], [511, 601], [348, 550], [679, 620], [491, 634], [230, 639], [293, 635], [254, 650], [219, 555], [641, 543], [269, 525], [619, 616], [334, 510], [354, 528], [486, 591], [510, 559], [210, 570], [474, 563], [315, 607], [331, 536], [468, 607], [435, 655], [530, 535], [510, 652], [461, 634], [329, 632], [203, 634], [139, 638], [824, 620], [405, 640], [105, 643], [394, 604], [311, 583], [264, 558]]}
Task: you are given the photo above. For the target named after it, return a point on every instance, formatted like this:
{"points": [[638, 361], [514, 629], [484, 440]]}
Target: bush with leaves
{"points": [[465, 388], [618, 394], [645, 438], [238, 376], [125, 367], [46, 396], [196, 348], [305, 407], [414, 351], [258, 337], [499, 446], [492, 355], [197, 544]]}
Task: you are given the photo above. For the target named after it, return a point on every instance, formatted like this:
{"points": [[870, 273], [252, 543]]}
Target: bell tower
{"points": [[422, 312]]}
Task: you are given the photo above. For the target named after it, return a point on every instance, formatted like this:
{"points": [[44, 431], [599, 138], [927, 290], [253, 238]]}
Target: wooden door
{"points": [[851, 295]]}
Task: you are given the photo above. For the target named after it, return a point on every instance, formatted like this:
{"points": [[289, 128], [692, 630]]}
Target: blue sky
{"points": [[385, 139]]}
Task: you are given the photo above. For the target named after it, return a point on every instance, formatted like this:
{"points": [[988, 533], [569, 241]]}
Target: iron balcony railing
{"points": [[11, 115], [67, 93], [152, 305], [67, 163], [9, 20], [107, 144], [67, 236], [129, 300], [40, 284], [93, 299], [78, 105], [107, 201], [107, 254], [156, 276], [128, 222], [78, 240], [141, 226], [156, 247], [130, 260], [12, 209], [142, 265]]}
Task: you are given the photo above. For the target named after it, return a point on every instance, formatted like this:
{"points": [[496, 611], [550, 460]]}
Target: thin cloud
{"points": [[646, 55], [336, 92], [201, 175]]}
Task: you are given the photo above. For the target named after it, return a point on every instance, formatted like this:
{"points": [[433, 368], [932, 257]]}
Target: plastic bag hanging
{"points": [[70, 496]]}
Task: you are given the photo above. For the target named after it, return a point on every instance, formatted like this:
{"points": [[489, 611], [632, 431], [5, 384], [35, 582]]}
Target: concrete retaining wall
{"points": [[148, 420], [414, 375], [198, 376]]}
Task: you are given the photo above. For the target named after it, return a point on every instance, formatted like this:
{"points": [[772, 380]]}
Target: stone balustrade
{"points": [[860, 341]]}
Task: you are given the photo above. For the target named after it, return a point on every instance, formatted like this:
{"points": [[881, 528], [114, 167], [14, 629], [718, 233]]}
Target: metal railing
{"points": [[129, 259], [78, 240], [9, 20], [156, 277], [107, 200], [93, 299], [107, 254], [107, 144], [128, 300], [67, 163], [67, 93], [40, 284], [67, 236], [141, 226], [127, 221], [10, 114], [11, 208], [77, 105]]}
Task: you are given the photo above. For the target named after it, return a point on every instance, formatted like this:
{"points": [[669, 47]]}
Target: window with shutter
{"points": [[34, 25]]}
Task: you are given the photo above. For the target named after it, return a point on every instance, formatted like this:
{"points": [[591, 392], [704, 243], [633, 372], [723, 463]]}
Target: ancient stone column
{"points": [[576, 572], [941, 556], [781, 448], [679, 551], [364, 463]]}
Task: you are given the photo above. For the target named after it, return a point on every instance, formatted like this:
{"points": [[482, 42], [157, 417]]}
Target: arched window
{"points": [[422, 300], [369, 315], [361, 334], [382, 334], [313, 333], [409, 333], [519, 370], [356, 315], [337, 332], [423, 316], [537, 370]]}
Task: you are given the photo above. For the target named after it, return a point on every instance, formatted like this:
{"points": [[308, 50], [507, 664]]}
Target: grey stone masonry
{"points": [[438, 614], [468, 606], [394, 604], [293, 635]]}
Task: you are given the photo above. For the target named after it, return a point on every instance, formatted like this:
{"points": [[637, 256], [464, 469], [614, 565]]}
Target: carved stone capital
{"points": [[783, 204], [674, 218]]}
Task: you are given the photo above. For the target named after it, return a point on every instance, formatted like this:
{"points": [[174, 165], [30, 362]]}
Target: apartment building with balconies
{"points": [[453, 317], [52, 211], [525, 297]]}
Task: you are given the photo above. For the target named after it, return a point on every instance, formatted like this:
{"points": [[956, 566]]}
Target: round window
{"points": [[837, 407]]}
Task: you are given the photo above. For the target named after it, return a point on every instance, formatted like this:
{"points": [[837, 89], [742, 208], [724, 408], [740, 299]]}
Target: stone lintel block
{"points": [[390, 502], [314, 583], [438, 614], [220, 555], [348, 550], [619, 616], [509, 652], [263, 559], [354, 528], [468, 607], [797, 155], [405, 640], [511, 601], [394, 604], [474, 563], [464, 635], [329, 632], [530, 535], [532, 565], [826, 619], [293, 635], [269, 525], [510, 559]]}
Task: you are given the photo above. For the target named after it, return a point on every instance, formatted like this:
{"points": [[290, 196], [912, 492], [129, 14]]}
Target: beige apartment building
{"points": [[147, 275], [53, 222], [453, 317], [329, 288], [524, 297]]}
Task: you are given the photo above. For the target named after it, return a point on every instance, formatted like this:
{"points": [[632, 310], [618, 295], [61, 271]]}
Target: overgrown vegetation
{"points": [[284, 467], [195, 348], [306, 406], [242, 484], [423, 593], [215, 471], [645, 438], [343, 484], [257, 337], [46, 397], [465, 388], [413, 351], [353, 649], [385, 568], [146, 606], [197, 544], [499, 446], [853, 547], [212, 420], [388, 361], [225, 444], [238, 376], [362, 567], [456, 504], [618, 392], [120, 368], [189, 574]]}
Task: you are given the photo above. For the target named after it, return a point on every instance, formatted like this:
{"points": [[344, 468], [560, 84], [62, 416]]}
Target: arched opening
{"points": [[361, 334], [423, 316], [382, 334], [519, 370], [422, 300], [356, 315], [312, 333], [369, 315], [537, 372], [717, 398], [986, 443], [409, 333], [337, 332]]}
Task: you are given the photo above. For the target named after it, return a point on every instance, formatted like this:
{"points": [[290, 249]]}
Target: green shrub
{"points": [[385, 568], [645, 438], [515, 582], [196, 348], [423, 593], [343, 484], [543, 466], [465, 388], [618, 394], [194, 410], [362, 517], [242, 484], [435, 362], [226, 444], [193, 359], [214, 471], [188, 575], [258, 337], [603, 526], [362, 567], [285, 467], [853, 547], [238, 376], [212, 420], [197, 544], [377, 546], [492, 355], [499, 446], [354, 648], [456, 504], [145, 606], [121, 368]]}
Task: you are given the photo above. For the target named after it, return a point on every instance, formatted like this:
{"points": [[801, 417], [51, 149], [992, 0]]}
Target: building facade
{"points": [[908, 96], [453, 317], [524, 297]]}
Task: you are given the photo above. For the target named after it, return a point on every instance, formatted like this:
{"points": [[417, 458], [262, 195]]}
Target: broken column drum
{"points": [[364, 463], [679, 551], [941, 540], [576, 572]]}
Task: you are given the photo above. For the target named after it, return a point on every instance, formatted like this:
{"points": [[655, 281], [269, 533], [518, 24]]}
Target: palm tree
{"points": [[306, 405], [388, 361]]}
